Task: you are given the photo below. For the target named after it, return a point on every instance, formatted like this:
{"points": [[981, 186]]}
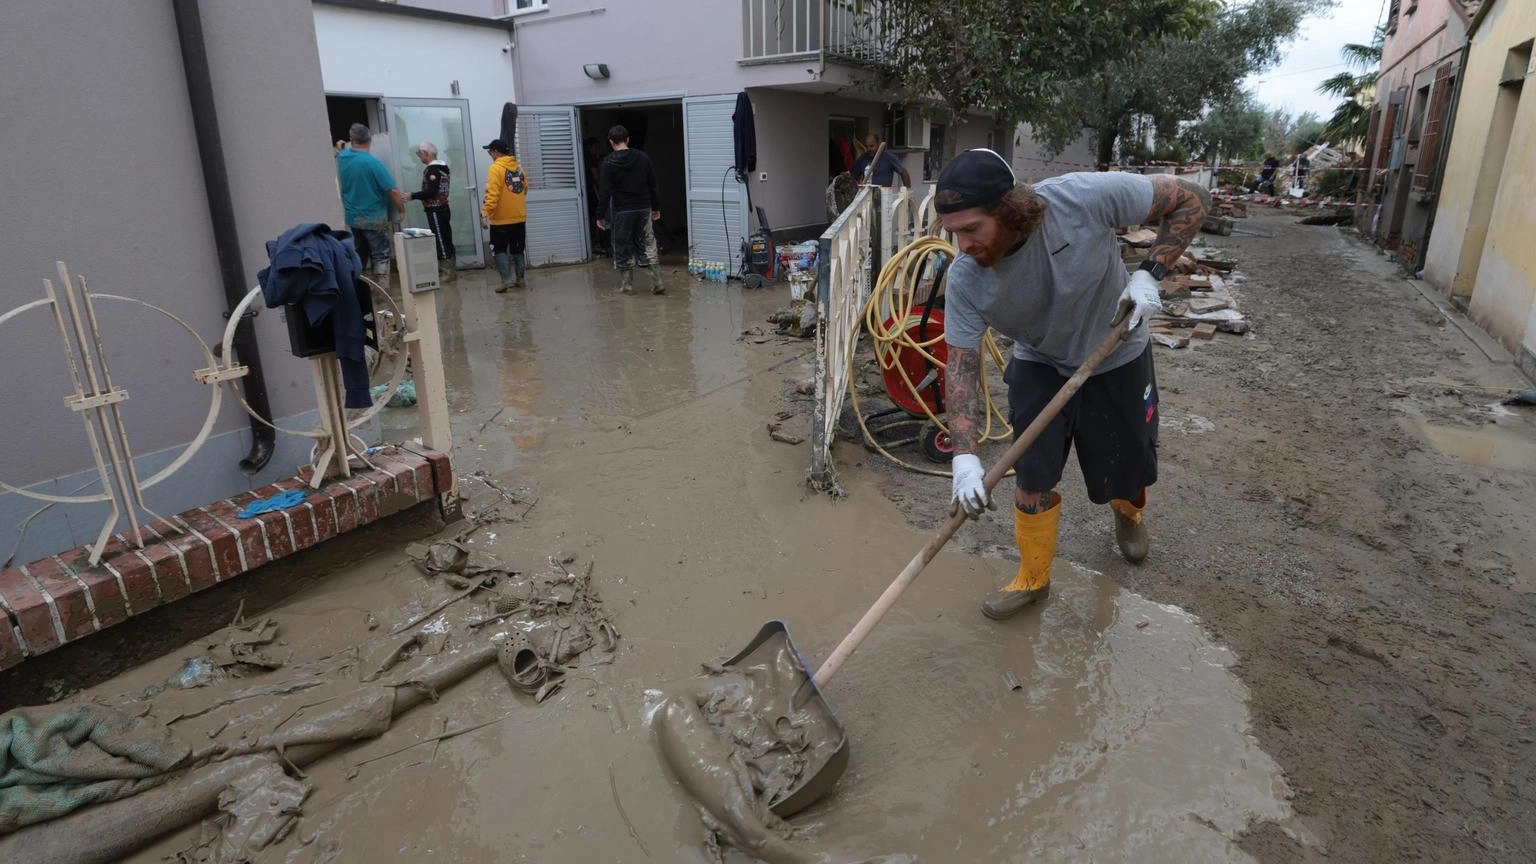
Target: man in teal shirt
{"points": [[367, 189]]}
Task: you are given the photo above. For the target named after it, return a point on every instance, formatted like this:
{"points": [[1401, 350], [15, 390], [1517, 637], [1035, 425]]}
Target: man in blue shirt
{"points": [[367, 190], [886, 170]]}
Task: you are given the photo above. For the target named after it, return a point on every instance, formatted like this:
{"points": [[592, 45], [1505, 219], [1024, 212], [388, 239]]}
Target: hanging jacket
{"points": [[316, 269], [435, 185], [506, 192]]}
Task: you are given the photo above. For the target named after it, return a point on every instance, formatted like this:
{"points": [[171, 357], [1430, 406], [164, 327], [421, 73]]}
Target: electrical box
{"points": [[310, 340], [419, 263]]}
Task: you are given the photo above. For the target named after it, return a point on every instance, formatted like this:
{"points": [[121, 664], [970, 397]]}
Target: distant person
{"points": [[367, 190], [627, 188], [1303, 170], [1266, 182], [505, 213], [436, 182], [885, 171], [592, 161]]}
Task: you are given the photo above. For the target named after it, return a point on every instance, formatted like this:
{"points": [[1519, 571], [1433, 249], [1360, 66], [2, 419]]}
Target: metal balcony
{"points": [[779, 31]]}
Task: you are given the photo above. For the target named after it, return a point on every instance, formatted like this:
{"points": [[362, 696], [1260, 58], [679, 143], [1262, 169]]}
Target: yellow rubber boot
{"points": [[1130, 533], [1036, 535]]}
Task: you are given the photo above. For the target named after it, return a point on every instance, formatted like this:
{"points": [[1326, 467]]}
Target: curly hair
{"points": [[1021, 210]]}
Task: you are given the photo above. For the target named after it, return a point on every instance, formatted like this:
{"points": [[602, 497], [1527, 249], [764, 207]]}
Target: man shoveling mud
{"points": [[1041, 265]]}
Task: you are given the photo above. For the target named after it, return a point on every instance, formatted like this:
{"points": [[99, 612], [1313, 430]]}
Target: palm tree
{"points": [[1356, 86]]}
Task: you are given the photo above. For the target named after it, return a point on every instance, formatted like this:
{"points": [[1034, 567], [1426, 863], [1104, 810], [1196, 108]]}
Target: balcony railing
{"points": [[782, 30]]}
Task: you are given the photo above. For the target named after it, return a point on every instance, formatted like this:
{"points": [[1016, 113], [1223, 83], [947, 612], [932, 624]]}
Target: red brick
{"points": [[383, 476], [303, 530], [326, 521], [198, 557], [169, 563], [30, 609], [442, 471], [344, 500], [367, 494], [226, 548], [1204, 331], [106, 596], [10, 649], [421, 479], [68, 597], [138, 581], [253, 548], [279, 538]]}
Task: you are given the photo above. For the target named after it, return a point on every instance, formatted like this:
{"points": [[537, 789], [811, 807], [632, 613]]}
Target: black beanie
{"points": [[975, 178]]}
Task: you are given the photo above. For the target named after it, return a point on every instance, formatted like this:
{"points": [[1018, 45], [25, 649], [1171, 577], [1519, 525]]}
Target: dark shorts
{"points": [[1112, 421], [509, 238]]}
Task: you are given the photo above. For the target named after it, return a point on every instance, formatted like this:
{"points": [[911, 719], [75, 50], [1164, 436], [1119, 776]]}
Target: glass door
{"points": [[444, 122]]}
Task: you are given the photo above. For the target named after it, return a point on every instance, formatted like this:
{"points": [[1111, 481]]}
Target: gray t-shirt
{"points": [[1056, 296]]}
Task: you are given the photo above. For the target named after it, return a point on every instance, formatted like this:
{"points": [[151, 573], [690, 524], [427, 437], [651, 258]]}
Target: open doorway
{"points": [[657, 129], [343, 111], [845, 140]]}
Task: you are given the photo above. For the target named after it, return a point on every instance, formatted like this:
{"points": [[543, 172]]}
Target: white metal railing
{"points": [[849, 30], [851, 251]]}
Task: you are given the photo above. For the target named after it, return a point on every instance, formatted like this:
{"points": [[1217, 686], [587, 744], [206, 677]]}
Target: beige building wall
{"points": [[1481, 249]]}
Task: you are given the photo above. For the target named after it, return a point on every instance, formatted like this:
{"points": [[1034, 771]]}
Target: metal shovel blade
{"points": [[819, 775]]}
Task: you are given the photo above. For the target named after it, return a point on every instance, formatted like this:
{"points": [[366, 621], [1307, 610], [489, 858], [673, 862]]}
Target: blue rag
{"points": [[280, 501]]}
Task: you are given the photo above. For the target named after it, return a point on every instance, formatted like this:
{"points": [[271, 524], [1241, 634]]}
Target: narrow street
{"points": [[1326, 657], [1344, 504]]}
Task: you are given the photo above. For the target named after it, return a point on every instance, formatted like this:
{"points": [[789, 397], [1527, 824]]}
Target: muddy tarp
{"points": [[56, 760]]}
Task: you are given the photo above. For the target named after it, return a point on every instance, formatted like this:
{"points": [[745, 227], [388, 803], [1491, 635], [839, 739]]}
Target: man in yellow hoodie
{"points": [[505, 212]]}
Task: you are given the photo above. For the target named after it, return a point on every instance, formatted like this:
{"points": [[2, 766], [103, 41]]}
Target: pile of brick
{"points": [[1197, 303]]}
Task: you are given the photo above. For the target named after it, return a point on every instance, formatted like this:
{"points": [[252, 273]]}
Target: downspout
{"points": [[1445, 150], [221, 212]]}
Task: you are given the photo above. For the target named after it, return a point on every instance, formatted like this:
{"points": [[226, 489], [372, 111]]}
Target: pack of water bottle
{"points": [[709, 271]]}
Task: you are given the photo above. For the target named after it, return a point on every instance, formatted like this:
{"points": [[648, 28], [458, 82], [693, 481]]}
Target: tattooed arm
{"points": [[962, 397], [1178, 208]]}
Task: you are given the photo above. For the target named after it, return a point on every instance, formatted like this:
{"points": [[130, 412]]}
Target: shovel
{"points": [[817, 779]]}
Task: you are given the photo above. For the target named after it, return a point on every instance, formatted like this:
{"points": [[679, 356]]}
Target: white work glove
{"points": [[968, 493], [1141, 291]]}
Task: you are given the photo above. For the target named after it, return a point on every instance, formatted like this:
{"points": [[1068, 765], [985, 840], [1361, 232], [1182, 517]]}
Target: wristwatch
{"points": [[1157, 270]]}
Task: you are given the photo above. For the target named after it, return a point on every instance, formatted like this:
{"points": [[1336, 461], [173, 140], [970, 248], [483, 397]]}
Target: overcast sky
{"points": [[1314, 56]]}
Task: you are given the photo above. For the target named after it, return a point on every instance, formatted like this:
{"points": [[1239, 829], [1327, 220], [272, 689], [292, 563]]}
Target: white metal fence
{"points": [[852, 250]]}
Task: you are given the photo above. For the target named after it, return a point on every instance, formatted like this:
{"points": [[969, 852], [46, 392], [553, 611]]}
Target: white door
{"points": [[444, 122], [717, 201], [549, 149]]}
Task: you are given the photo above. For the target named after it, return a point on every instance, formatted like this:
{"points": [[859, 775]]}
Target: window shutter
{"points": [[1434, 130]]}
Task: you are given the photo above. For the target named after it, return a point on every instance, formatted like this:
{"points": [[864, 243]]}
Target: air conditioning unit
{"points": [[909, 130]]}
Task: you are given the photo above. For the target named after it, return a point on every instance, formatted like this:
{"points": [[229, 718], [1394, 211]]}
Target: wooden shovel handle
{"points": [[999, 470]]}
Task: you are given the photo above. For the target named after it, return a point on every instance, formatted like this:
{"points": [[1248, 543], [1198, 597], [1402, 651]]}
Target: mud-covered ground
{"points": [[1326, 657], [1342, 502]]}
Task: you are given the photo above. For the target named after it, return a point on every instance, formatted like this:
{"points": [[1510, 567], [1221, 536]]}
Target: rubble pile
{"points": [[1197, 297]]}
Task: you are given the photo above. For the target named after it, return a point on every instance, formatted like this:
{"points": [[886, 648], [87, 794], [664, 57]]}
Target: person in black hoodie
{"points": [[628, 200]]}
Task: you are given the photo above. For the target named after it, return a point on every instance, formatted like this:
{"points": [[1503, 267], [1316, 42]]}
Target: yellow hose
{"points": [[896, 289]]}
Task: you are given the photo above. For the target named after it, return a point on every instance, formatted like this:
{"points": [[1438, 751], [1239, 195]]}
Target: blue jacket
{"points": [[316, 268]]}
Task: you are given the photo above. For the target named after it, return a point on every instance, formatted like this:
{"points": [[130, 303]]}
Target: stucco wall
{"points": [[683, 48], [104, 174], [1503, 292], [105, 160], [792, 135]]}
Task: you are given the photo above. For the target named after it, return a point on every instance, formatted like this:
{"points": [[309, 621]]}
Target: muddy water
{"points": [[639, 422]]}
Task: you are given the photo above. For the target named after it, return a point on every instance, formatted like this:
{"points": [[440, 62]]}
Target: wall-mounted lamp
{"points": [[596, 71]]}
